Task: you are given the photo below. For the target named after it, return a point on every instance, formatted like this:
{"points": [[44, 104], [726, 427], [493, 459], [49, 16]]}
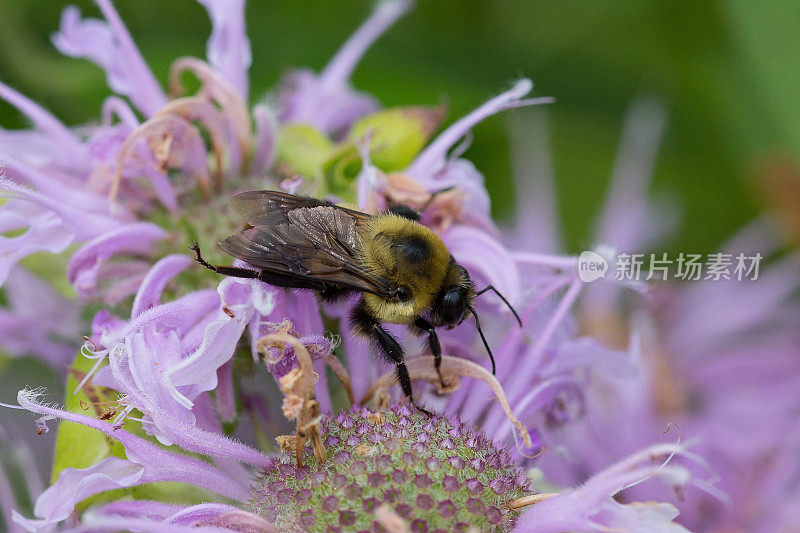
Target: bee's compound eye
{"points": [[453, 304], [402, 293]]}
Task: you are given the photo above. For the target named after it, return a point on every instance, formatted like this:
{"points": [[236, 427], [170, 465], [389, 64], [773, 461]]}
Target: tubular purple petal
{"points": [[157, 464], [67, 147], [228, 49], [341, 66], [203, 513], [85, 264], [433, 158], [36, 320], [109, 45], [266, 137], [162, 272]]}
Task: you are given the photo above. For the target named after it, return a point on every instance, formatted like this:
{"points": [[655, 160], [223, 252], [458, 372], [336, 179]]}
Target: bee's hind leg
{"points": [[367, 325], [236, 272], [433, 343]]}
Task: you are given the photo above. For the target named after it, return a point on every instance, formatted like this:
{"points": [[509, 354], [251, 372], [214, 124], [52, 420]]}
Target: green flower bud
{"points": [[397, 135]]}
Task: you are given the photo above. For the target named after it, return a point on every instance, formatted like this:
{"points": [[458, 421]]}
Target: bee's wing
{"points": [[267, 208], [302, 242]]}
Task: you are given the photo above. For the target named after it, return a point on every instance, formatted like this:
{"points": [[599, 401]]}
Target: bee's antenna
{"points": [[491, 288], [480, 332]]}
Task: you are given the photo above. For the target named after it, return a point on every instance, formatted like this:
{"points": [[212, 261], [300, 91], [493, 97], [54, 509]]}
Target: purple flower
{"points": [[592, 507], [717, 358], [183, 390]]}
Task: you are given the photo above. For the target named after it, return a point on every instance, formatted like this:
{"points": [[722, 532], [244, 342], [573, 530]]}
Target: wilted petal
{"points": [[108, 44], [228, 49], [172, 142], [219, 90]]}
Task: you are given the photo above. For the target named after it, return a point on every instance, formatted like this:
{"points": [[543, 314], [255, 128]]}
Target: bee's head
{"points": [[455, 298]]}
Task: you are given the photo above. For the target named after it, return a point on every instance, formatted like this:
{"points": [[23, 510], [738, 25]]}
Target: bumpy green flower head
{"points": [[435, 473]]}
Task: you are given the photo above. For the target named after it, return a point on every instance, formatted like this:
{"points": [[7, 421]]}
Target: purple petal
{"points": [[84, 224], [65, 146], [486, 260], [36, 318], [301, 100], [75, 484], [157, 464], [627, 222], [85, 264], [149, 293], [266, 137], [341, 67], [108, 44], [31, 146], [225, 393], [228, 49], [326, 101], [242, 298], [53, 184], [200, 514], [97, 524], [433, 158], [114, 105], [44, 232], [182, 315], [8, 501], [591, 507], [537, 225], [140, 509]]}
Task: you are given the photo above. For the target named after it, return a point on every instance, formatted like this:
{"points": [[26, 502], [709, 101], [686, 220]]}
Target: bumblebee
{"points": [[403, 271]]}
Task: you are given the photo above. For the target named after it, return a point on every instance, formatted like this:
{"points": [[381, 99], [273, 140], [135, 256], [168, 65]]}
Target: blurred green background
{"points": [[726, 72]]}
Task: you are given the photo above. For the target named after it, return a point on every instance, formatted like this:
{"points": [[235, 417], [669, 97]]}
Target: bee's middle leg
{"points": [[433, 343], [368, 326]]}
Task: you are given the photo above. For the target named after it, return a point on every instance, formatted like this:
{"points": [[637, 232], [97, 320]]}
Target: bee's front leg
{"points": [[388, 347], [433, 343]]}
